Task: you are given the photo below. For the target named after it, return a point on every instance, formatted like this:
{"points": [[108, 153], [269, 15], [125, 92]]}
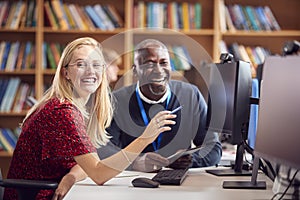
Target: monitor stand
{"points": [[253, 184], [238, 166]]}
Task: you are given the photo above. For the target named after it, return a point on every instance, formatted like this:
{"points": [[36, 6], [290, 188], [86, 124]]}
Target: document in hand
{"points": [[183, 152]]}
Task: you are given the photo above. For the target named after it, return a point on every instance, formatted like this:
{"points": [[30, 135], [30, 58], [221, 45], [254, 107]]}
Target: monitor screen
{"points": [[278, 131], [229, 100], [229, 90]]}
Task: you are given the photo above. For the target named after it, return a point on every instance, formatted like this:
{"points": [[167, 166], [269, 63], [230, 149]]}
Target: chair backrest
{"points": [[27, 189], [1, 188]]}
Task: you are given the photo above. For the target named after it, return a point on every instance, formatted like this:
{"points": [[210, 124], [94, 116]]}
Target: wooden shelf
{"points": [[123, 39]]}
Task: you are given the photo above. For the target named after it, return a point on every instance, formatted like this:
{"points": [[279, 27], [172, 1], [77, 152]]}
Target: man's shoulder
{"points": [[179, 85], [126, 90]]}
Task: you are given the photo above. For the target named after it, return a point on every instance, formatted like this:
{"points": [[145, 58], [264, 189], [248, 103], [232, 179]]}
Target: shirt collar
{"points": [[145, 99]]}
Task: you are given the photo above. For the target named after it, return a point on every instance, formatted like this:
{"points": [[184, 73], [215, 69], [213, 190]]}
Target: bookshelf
{"points": [[123, 38]]}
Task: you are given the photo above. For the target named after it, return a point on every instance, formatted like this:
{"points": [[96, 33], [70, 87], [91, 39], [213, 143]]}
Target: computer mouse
{"points": [[144, 182]]}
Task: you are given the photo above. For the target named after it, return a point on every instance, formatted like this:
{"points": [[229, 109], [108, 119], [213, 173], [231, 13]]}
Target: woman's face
{"points": [[85, 70]]}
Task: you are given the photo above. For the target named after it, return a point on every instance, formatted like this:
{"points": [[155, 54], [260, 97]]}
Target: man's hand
{"points": [[182, 162], [149, 162]]}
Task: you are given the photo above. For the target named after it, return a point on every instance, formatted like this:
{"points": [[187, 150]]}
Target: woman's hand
{"points": [[75, 174], [158, 124], [64, 186]]}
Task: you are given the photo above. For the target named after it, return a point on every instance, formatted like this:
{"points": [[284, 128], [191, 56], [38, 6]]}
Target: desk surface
{"points": [[197, 185]]}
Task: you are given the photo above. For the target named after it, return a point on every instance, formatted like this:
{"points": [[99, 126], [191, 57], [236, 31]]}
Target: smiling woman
{"points": [[86, 76], [60, 132]]}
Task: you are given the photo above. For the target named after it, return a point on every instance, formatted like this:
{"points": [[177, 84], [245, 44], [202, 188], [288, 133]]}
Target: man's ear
{"points": [[134, 70]]}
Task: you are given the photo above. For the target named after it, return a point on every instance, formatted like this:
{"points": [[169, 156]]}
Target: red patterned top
{"points": [[50, 138]]}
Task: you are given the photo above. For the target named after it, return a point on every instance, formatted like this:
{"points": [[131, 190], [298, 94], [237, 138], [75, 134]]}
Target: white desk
{"points": [[198, 185]]}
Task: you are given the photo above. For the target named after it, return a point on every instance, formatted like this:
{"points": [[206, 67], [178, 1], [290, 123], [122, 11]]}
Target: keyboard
{"points": [[171, 177]]}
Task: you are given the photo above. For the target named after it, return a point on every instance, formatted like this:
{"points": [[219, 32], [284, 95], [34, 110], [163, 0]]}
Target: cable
{"points": [[286, 189]]}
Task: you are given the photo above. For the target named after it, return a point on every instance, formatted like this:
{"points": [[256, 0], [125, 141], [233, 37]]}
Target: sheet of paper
{"points": [[182, 152]]}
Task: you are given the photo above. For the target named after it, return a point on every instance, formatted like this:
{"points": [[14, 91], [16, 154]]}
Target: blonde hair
{"points": [[99, 115]]}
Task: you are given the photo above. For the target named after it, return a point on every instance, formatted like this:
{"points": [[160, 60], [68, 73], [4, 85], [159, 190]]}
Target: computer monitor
{"points": [[278, 131], [277, 137], [229, 107]]}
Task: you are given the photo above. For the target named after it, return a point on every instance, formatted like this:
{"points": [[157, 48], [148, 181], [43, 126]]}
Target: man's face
{"points": [[153, 71]]}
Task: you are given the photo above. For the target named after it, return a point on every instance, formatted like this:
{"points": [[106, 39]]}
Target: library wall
{"points": [[33, 34]]}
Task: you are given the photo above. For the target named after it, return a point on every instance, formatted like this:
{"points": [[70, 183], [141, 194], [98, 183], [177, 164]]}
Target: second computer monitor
{"points": [[278, 131]]}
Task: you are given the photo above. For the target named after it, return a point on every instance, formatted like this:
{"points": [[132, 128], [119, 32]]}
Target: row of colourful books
{"points": [[17, 14], [245, 17], [65, 16], [51, 54], [172, 15], [13, 94], [9, 138], [180, 58], [255, 55], [17, 55]]}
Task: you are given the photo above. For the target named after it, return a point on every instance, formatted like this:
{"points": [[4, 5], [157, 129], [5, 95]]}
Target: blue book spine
{"points": [[5, 55], [3, 89], [94, 16], [9, 137]]}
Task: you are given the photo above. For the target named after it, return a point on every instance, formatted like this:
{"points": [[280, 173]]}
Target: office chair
{"points": [[26, 189]]}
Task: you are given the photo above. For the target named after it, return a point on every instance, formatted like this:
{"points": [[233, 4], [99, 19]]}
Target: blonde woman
{"points": [[61, 132]]}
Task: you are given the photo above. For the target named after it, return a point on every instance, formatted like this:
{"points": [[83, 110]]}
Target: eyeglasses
{"points": [[83, 65]]}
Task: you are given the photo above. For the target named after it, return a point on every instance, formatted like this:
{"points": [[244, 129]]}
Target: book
{"points": [[262, 18], [198, 15], [9, 136], [30, 56], [30, 14], [50, 57], [222, 16], [111, 16], [185, 16], [5, 54], [12, 56], [69, 17], [4, 84], [19, 12], [9, 94], [11, 14], [223, 47], [116, 14], [55, 52], [95, 17], [104, 17], [181, 57], [254, 21], [21, 97], [20, 56], [2, 49], [49, 16], [78, 20], [59, 12], [23, 18], [229, 24], [4, 143], [86, 19], [3, 9], [271, 18], [26, 54]]}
